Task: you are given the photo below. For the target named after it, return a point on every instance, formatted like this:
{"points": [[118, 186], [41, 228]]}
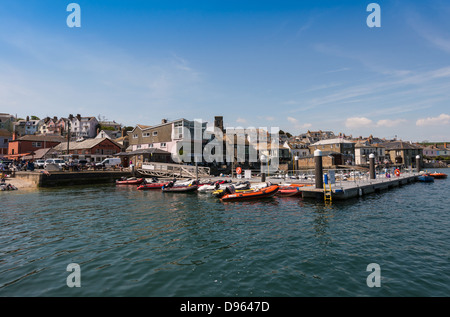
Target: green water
{"points": [[148, 243]]}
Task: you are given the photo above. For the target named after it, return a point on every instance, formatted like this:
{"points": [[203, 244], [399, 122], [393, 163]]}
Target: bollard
{"points": [[372, 166], [318, 168], [263, 174], [418, 163]]}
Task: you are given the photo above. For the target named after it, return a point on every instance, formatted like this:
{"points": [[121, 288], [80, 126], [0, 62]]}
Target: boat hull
{"points": [[438, 175], [257, 194], [130, 182], [151, 186], [426, 179], [289, 191], [180, 189]]}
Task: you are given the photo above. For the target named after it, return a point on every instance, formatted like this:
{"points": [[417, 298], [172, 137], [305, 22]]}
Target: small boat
{"points": [[183, 188], [129, 181], [249, 195], [180, 189], [438, 175], [151, 186], [288, 191], [426, 178]]}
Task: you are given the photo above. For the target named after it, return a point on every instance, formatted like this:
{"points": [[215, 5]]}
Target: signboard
{"points": [[248, 174], [238, 170], [331, 176]]}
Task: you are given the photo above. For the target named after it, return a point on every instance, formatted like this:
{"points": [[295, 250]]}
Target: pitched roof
{"points": [[332, 141], [400, 145], [42, 138], [86, 144]]}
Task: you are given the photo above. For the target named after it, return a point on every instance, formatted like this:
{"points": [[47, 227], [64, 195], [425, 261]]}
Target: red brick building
{"points": [[28, 144], [94, 150]]}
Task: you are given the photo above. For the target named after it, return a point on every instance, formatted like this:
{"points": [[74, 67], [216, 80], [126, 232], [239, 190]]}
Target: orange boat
{"points": [[256, 194], [438, 175], [288, 191]]}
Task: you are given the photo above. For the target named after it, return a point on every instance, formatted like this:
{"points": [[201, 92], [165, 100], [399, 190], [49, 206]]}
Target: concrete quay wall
{"points": [[55, 179]]}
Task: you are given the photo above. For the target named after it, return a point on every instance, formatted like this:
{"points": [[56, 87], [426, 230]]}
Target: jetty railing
{"points": [[170, 170], [345, 176]]}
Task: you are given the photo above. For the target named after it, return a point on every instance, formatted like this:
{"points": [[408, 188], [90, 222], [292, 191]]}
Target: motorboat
{"points": [[426, 178], [180, 188], [145, 186], [438, 175], [129, 181], [266, 192]]}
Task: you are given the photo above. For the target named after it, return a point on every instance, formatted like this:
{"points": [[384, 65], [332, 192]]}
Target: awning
{"points": [[18, 155]]}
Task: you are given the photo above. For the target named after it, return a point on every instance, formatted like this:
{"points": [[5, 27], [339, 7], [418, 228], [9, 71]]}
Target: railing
{"points": [[357, 176], [173, 170]]}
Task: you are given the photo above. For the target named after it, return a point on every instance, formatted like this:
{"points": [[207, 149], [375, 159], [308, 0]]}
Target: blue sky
{"points": [[296, 65]]}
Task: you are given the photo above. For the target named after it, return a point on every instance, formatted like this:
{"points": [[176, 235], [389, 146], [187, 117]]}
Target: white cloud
{"points": [[390, 123], [358, 122], [442, 119], [241, 120], [297, 124], [292, 120]]}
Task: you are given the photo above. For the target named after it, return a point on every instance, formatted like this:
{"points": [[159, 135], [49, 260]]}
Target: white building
{"points": [[83, 127]]}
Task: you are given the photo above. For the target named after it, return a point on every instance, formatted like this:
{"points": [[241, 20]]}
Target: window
{"points": [[36, 144], [135, 136], [163, 144], [155, 133], [146, 134]]}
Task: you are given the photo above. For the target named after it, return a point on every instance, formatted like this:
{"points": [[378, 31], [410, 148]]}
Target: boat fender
{"points": [[397, 172]]}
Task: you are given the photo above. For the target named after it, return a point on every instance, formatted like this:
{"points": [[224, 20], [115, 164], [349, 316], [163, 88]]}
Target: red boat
{"points": [[287, 191], [438, 175], [151, 186], [256, 194], [130, 181]]}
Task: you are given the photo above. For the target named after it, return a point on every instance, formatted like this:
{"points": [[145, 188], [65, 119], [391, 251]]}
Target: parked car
{"points": [[39, 163], [59, 162], [109, 162]]}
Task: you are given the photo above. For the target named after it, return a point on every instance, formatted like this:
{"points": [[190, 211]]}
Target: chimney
{"points": [[218, 122], [28, 118], [79, 117], [163, 121], [14, 136], [55, 118]]}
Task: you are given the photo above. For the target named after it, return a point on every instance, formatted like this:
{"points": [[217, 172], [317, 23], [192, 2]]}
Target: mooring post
{"points": [[318, 168], [418, 163], [263, 174], [372, 166]]}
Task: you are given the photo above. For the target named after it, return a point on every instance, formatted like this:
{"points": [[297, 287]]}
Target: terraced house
{"points": [[400, 152], [162, 139]]}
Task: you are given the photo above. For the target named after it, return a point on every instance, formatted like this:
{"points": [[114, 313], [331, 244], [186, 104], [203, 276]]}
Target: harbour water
{"points": [[148, 243]]}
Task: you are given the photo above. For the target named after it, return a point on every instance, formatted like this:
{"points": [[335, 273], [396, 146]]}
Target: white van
{"points": [[109, 162]]}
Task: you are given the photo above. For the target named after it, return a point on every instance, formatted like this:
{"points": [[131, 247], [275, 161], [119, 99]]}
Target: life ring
{"points": [[397, 172]]}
